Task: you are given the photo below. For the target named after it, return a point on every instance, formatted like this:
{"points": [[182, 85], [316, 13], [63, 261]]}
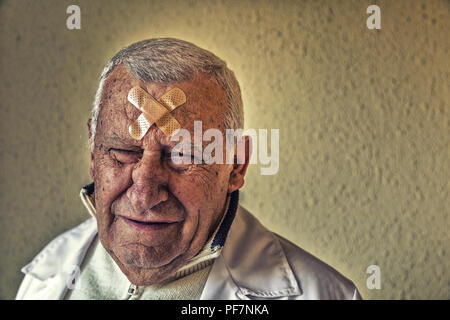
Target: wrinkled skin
{"points": [[138, 181]]}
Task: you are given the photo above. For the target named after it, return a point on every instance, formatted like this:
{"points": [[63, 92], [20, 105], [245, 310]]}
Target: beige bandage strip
{"points": [[155, 111]]}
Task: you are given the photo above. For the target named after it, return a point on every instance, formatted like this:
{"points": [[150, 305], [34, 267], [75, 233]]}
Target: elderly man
{"points": [[165, 227]]}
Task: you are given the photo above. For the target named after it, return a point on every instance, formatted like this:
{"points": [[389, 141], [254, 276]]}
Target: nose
{"points": [[149, 186]]}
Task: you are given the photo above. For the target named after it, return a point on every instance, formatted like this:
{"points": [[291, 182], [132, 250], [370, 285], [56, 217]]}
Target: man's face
{"points": [[153, 215]]}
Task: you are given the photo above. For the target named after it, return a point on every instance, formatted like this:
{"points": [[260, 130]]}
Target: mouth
{"points": [[149, 226]]}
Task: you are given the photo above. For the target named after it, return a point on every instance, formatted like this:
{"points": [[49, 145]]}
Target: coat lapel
{"points": [[55, 266], [252, 265]]}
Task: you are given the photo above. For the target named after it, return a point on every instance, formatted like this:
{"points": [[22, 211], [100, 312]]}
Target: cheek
{"points": [[223, 178], [191, 191], [111, 180], [199, 189], [187, 194]]}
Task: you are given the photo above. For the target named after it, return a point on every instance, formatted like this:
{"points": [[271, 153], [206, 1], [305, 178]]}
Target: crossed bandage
{"points": [[155, 111]]}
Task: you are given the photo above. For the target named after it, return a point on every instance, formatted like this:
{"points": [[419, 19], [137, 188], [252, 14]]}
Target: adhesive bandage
{"points": [[155, 111]]}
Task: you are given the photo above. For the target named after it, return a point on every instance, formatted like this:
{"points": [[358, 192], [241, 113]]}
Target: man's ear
{"points": [[91, 169], [241, 162]]}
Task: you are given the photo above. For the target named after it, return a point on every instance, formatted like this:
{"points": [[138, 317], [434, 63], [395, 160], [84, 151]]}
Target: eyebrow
{"points": [[118, 141], [115, 139]]}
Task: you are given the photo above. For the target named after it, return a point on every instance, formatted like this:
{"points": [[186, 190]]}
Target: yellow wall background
{"points": [[363, 118]]}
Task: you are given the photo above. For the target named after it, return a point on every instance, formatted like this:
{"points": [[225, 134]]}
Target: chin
{"points": [[141, 256], [143, 267]]}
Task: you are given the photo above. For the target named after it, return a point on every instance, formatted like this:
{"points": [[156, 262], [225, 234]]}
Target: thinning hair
{"points": [[166, 60]]}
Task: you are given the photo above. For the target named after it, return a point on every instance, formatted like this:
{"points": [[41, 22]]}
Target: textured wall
{"points": [[363, 117]]}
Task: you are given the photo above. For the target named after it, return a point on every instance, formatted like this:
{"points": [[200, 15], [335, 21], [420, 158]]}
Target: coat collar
{"points": [[63, 252], [252, 264], [57, 265]]}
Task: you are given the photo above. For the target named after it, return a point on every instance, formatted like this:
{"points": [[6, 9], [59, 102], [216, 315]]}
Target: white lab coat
{"points": [[254, 264]]}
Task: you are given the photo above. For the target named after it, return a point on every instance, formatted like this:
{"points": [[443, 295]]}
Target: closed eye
{"points": [[179, 158], [123, 156]]}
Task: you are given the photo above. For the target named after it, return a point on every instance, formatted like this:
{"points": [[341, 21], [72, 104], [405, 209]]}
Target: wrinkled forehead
{"points": [[205, 101]]}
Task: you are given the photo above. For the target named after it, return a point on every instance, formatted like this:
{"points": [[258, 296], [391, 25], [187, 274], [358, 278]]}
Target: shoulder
{"points": [[253, 252], [60, 248], [56, 258], [318, 279]]}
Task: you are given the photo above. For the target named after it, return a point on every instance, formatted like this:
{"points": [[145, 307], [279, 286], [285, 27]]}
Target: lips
{"points": [[148, 225], [150, 222]]}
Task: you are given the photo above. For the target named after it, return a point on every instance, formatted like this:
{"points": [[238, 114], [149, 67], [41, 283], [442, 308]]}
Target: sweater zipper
{"points": [[132, 290]]}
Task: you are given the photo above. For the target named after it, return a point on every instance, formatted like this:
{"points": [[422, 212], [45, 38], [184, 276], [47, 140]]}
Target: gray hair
{"points": [[166, 60]]}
